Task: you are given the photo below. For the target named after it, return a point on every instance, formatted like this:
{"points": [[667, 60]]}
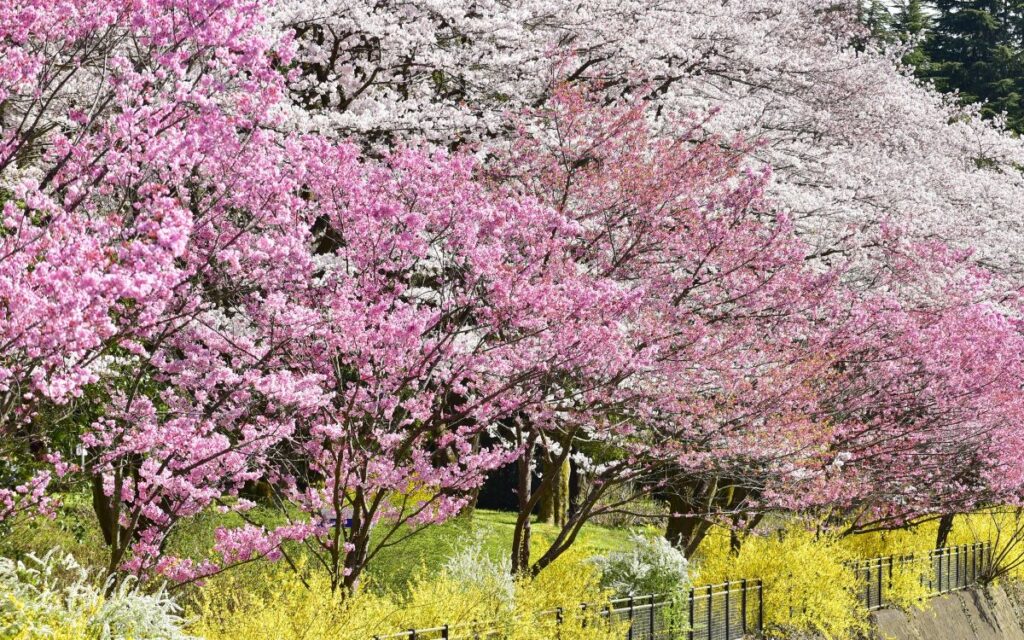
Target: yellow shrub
{"points": [[1003, 528], [226, 608], [19, 621], [905, 581], [807, 586], [898, 542]]}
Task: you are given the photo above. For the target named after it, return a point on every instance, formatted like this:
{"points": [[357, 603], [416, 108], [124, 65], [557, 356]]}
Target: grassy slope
{"points": [[432, 546], [74, 531]]}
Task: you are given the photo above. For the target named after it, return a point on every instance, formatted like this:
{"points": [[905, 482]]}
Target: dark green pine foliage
{"points": [[910, 25], [879, 20], [976, 47]]}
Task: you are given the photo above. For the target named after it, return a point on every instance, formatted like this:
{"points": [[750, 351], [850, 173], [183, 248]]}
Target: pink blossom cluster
{"points": [[366, 328]]}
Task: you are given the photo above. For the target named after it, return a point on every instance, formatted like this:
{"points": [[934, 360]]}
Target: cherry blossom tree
{"points": [[439, 309], [853, 140], [679, 243], [151, 213], [815, 389], [924, 394], [723, 299]]}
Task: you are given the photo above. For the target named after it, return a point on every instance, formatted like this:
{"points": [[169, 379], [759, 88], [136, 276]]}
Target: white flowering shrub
{"points": [[54, 597], [473, 567], [652, 566]]}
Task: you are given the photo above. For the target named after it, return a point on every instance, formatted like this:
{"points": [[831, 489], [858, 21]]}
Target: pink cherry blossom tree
{"points": [[438, 310], [152, 215], [923, 394], [722, 297], [698, 243]]}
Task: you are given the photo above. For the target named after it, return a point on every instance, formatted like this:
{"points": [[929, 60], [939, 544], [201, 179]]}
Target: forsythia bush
{"points": [[807, 586], [905, 588], [52, 597], [810, 585], [879, 544], [228, 608], [1003, 527]]}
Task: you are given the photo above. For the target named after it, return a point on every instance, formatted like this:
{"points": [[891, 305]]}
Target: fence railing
{"points": [[732, 610], [939, 571], [725, 611], [956, 568], [728, 611]]}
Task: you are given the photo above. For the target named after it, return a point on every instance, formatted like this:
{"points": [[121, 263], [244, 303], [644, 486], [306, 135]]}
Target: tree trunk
{"points": [[554, 504], [108, 515], [521, 535], [474, 495], [355, 562], [735, 542], [579, 487], [739, 533], [104, 510], [685, 531], [945, 528]]}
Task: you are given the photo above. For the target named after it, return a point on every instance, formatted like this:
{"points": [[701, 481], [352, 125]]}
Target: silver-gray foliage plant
{"points": [[40, 593], [651, 566]]}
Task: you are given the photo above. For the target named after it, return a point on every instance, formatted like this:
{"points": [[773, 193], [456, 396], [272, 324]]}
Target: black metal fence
{"points": [[955, 568], [733, 610], [725, 611], [939, 571], [728, 611]]}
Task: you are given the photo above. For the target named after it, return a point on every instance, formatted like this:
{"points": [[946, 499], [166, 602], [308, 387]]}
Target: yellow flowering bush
{"points": [[807, 585], [1003, 528], [300, 606]]}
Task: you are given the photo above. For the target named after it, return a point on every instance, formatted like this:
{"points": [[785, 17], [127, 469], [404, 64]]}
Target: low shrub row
{"points": [[809, 587]]}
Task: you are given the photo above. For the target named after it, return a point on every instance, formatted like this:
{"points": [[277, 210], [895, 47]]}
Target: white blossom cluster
{"points": [[856, 144]]}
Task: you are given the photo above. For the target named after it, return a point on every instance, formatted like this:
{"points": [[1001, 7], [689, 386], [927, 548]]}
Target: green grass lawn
{"points": [[431, 547], [74, 531]]}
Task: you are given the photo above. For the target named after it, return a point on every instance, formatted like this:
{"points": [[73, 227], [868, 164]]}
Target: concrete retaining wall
{"points": [[976, 614]]}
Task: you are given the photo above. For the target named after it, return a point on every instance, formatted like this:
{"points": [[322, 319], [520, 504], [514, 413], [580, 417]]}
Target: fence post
{"points": [[964, 547], [444, 632], [891, 561], [583, 615], [412, 634], [728, 588], [743, 604], [881, 601], [966, 568], [949, 572], [980, 559], [954, 575], [974, 563], [690, 621], [652, 618], [760, 607], [558, 621], [711, 595], [630, 635], [939, 574], [959, 552], [867, 586]]}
